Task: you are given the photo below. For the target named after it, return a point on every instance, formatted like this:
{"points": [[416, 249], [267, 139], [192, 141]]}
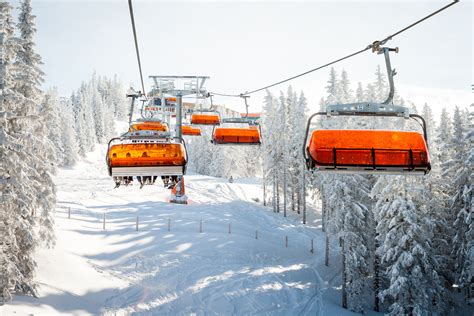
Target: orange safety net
{"points": [[225, 135], [146, 154], [205, 119], [191, 131], [148, 126], [368, 148]]}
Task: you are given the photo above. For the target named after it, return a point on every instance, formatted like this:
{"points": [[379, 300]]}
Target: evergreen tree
{"points": [[360, 97], [405, 250], [345, 89], [50, 114], [332, 89], [460, 167], [69, 148]]}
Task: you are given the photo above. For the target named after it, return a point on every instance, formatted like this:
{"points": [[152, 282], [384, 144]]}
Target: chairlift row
{"points": [[149, 150]]}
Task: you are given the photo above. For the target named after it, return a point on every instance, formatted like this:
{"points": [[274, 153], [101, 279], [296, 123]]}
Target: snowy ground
{"points": [[120, 270]]}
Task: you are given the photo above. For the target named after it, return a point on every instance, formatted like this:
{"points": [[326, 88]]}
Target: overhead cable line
{"points": [[136, 45], [375, 46]]}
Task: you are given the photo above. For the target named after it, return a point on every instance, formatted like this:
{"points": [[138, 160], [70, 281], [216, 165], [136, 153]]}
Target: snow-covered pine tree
{"points": [[69, 147], [28, 83], [299, 130], [360, 97], [86, 116], [356, 239], [405, 249], [332, 88], [98, 108], [12, 192], [50, 112], [370, 94], [27, 195], [345, 88], [270, 136], [118, 100], [380, 85], [460, 167]]}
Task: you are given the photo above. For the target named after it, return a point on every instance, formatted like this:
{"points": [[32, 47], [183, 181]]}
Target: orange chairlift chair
{"points": [[148, 125], [249, 135], [145, 157], [368, 151], [205, 117], [189, 130], [237, 135]]}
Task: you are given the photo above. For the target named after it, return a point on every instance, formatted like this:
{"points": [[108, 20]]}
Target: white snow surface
{"points": [[122, 271]]}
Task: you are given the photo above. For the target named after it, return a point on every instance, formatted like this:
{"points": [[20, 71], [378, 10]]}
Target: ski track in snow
{"points": [[121, 271]]}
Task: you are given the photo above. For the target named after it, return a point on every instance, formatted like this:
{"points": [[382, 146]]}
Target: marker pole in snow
{"points": [[103, 224], [256, 234], [169, 224], [285, 188], [69, 213], [264, 188], [312, 246], [304, 197], [274, 193], [230, 228], [137, 224], [286, 241]]}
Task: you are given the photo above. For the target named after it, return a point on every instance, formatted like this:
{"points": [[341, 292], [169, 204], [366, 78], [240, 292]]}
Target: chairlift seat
{"points": [[146, 154], [191, 130], [205, 119], [236, 135], [149, 126], [368, 151]]}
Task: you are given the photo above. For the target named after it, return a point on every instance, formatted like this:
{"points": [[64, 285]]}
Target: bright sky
{"points": [[245, 45]]}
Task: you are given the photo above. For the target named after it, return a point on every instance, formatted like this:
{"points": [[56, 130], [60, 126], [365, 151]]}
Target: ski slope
{"points": [[119, 270]]}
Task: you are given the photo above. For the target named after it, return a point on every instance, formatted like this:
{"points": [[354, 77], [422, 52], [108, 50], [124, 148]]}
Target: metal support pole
{"points": [[131, 110], [264, 188], [179, 118], [285, 189], [274, 193], [304, 196], [390, 73]]}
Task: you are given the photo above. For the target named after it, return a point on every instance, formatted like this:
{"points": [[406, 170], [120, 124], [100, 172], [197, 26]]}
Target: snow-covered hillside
{"points": [[180, 271]]}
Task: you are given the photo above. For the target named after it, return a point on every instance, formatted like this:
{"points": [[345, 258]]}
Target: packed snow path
{"points": [[154, 270]]}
